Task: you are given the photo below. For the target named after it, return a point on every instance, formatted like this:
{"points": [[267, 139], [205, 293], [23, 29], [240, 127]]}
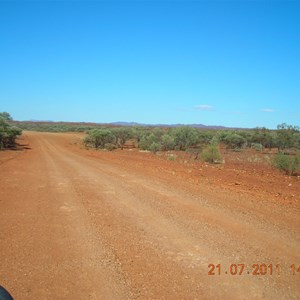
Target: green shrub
{"points": [[122, 134], [154, 147], [290, 164], [5, 116], [110, 146], [257, 146], [98, 138], [172, 157], [215, 140], [288, 136], [147, 140], [262, 136], [211, 154], [167, 142], [234, 140], [185, 137], [8, 134]]}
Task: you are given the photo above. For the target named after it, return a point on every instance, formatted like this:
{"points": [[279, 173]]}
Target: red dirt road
{"points": [[77, 224]]}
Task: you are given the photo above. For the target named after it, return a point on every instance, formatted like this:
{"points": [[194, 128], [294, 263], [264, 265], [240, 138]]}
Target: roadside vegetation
{"points": [[8, 132], [290, 164], [211, 154], [204, 144]]}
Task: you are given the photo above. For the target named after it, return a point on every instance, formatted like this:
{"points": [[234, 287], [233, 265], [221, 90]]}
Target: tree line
{"points": [[205, 144], [183, 138]]}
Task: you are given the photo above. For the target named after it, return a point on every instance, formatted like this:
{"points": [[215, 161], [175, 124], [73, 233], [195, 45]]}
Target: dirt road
{"points": [[78, 226]]}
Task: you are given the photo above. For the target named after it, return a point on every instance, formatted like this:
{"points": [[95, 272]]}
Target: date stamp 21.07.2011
{"points": [[256, 269]]}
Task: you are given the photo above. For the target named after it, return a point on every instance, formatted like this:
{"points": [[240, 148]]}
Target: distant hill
{"points": [[40, 124], [167, 125]]}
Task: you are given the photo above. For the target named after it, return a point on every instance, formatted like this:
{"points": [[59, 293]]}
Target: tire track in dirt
{"points": [[149, 271], [51, 252]]}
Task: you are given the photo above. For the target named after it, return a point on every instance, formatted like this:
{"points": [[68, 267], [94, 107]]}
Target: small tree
{"points": [[5, 116], [234, 140], [287, 163], [185, 137], [205, 137], [154, 147], [138, 132], [147, 140], [287, 136], [122, 134], [167, 142], [263, 136], [211, 154], [99, 137], [8, 134]]}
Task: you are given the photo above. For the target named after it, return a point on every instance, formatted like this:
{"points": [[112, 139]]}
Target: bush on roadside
{"points": [[288, 136], [154, 147], [122, 134], [290, 164], [8, 134], [5, 116], [167, 142], [147, 140], [257, 146], [234, 140], [110, 147], [97, 138], [185, 137], [211, 154]]}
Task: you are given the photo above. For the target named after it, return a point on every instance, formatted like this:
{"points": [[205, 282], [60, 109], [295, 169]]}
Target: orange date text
{"points": [[253, 269]]}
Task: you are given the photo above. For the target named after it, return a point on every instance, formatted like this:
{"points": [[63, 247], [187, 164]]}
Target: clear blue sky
{"points": [[231, 63]]}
